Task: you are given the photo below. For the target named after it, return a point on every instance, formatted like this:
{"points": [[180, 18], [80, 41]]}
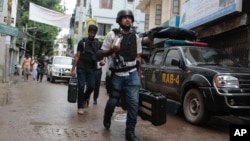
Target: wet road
{"points": [[40, 112]]}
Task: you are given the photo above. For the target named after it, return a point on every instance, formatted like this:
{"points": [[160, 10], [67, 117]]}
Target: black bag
{"points": [[171, 32], [152, 107], [72, 90]]}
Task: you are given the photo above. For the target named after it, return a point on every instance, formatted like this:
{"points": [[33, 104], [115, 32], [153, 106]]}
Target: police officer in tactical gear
{"points": [[124, 57]]}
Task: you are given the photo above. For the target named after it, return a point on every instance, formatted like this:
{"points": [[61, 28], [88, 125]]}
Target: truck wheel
{"points": [[52, 79], [48, 78], [194, 108]]}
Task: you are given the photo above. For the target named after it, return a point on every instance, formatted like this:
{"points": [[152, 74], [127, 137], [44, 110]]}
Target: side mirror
{"points": [[175, 62]]}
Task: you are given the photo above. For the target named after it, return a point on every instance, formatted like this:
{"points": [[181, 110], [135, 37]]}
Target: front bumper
{"points": [[61, 74], [217, 102]]}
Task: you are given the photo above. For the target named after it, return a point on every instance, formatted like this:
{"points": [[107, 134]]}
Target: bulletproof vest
{"points": [[89, 47], [128, 46], [88, 56]]}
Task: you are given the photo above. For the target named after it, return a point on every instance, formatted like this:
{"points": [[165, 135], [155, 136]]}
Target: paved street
{"points": [[40, 111]]}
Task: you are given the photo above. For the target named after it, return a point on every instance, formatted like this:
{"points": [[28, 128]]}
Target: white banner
{"points": [[47, 16]]}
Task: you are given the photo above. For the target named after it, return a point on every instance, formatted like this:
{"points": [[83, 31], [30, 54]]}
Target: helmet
{"points": [[122, 13]]}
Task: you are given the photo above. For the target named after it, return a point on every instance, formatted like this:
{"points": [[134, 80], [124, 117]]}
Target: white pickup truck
{"points": [[59, 68]]}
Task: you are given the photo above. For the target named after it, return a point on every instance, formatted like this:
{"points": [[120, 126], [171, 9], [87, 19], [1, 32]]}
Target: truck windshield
{"points": [[208, 56], [63, 61]]}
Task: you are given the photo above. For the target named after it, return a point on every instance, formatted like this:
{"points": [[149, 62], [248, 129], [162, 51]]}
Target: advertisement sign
{"points": [[90, 21], [198, 12], [9, 30], [175, 21]]}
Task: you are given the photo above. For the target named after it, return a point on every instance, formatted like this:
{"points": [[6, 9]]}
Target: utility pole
{"points": [[7, 51], [80, 21], [33, 44], [33, 41]]}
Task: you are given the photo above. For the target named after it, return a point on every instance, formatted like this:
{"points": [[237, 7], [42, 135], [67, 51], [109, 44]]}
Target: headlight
{"points": [[55, 69], [226, 81]]}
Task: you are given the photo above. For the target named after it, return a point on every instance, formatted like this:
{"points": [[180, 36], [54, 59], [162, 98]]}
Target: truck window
{"points": [[207, 56], [157, 58], [194, 56], [63, 61], [172, 54]]}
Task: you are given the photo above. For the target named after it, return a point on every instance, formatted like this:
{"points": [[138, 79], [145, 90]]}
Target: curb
{"points": [[5, 89]]}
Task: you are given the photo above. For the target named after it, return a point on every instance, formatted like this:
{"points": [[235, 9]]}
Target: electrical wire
{"points": [[33, 37]]}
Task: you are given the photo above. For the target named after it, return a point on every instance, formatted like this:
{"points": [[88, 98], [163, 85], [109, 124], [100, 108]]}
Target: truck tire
{"points": [[48, 79], [52, 79], [194, 107]]}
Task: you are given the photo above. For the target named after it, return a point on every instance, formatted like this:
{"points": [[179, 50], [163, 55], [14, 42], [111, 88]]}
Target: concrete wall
{"points": [[7, 58]]}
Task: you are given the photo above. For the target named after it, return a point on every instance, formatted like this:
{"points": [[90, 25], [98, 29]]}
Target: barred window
{"points": [[103, 29], [106, 4], [146, 21], [158, 14], [176, 7]]}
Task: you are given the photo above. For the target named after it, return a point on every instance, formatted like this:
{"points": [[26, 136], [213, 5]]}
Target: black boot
{"points": [[107, 121], [131, 137]]}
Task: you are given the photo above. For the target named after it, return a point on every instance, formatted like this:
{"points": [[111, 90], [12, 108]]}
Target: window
{"points": [[146, 21], [157, 58], [130, 0], [176, 6], [103, 29], [172, 54], [158, 14], [84, 3], [106, 4]]}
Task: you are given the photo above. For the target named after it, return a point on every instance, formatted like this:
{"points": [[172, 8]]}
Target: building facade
{"points": [[103, 13], [9, 53], [221, 23], [61, 47], [160, 12]]}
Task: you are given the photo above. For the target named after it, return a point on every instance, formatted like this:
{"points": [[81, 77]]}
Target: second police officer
{"points": [[125, 60]]}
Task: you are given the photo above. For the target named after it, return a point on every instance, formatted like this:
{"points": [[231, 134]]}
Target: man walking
{"points": [[86, 63], [26, 66]]}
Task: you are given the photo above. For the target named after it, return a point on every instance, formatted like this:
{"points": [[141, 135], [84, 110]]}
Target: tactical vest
{"points": [[88, 57], [127, 52], [128, 46]]}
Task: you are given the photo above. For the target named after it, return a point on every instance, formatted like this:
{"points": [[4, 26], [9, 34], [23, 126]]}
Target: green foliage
{"points": [[44, 34]]}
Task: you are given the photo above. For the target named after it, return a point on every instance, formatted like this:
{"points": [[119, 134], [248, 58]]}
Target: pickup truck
{"points": [[59, 68], [205, 81]]}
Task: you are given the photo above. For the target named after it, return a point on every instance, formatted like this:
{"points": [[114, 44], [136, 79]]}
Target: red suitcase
{"points": [[152, 107]]}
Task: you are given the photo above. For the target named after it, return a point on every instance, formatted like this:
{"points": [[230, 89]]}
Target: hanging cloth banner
{"points": [[47, 16]]}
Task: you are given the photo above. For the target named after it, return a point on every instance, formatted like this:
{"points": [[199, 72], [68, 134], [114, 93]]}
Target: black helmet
{"points": [[122, 13]]}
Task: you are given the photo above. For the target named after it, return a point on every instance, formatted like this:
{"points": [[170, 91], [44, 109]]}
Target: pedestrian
{"points": [[40, 70], [98, 76], [125, 63], [26, 66], [34, 69], [86, 64]]}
